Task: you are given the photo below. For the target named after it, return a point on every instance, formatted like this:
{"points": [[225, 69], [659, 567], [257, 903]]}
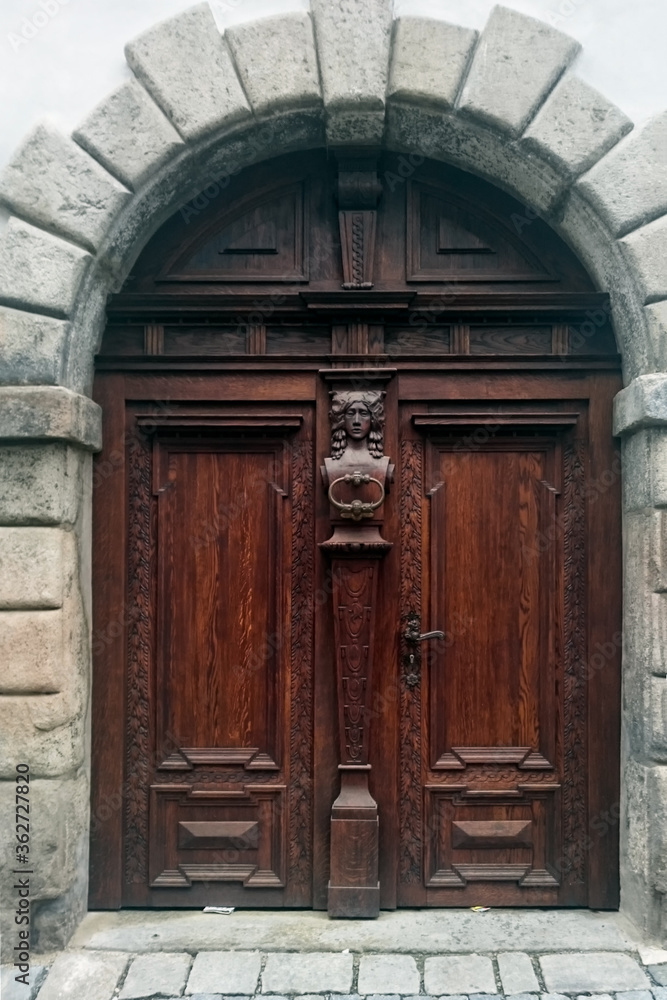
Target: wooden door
{"points": [[218, 774], [501, 773], [491, 755]]}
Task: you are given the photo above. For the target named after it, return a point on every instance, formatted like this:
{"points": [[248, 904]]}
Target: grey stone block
{"points": [[32, 652], [517, 61], [644, 462], [307, 973], [129, 135], [48, 728], [454, 974], [353, 42], [32, 348], [659, 992], [39, 484], [593, 972], [156, 975], [388, 974], [39, 270], [656, 328], [629, 185], [517, 973], [31, 568], [276, 60], [428, 60], [635, 995], [657, 844], [186, 66], [54, 183], [646, 252], [643, 403], [10, 989], [50, 413], [92, 975], [575, 126], [231, 972], [658, 715]]}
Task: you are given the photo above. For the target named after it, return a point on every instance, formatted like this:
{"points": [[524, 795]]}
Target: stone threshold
{"points": [[433, 931]]}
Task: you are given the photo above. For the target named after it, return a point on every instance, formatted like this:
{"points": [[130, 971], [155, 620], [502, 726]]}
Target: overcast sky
{"points": [[73, 56]]}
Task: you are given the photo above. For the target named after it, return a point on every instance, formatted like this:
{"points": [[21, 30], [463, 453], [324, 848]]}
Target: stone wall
{"points": [[199, 107]]}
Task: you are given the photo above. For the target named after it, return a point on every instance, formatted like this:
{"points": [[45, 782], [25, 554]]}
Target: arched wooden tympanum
{"points": [[237, 667]]}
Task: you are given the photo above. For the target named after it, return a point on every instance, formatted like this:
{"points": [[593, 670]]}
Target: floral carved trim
{"points": [[410, 808], [301, 686], [575, 814], [141, 556]]}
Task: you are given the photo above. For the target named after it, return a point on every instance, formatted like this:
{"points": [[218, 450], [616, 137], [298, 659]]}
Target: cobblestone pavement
{"points": [[133, 959], [217, 975]]}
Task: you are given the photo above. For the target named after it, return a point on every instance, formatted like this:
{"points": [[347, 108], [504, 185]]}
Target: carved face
{"points": [[357, 420], [357, 416]]}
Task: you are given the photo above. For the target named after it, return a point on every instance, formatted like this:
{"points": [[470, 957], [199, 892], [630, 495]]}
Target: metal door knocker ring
{"points": [[358, 508]]}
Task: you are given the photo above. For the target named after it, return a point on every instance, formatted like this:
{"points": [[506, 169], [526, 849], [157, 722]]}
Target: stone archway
{"points": [[502, 105]]}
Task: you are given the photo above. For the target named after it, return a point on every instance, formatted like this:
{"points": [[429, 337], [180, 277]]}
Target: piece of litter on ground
{"points": [[345, 951], [480, 909], [219, 909]]}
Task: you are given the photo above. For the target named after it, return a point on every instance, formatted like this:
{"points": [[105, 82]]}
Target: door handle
{"points": [[413, 636]]}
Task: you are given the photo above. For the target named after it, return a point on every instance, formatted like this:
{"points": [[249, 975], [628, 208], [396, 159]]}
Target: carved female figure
{"points": [[357, 422], [357, 440]]}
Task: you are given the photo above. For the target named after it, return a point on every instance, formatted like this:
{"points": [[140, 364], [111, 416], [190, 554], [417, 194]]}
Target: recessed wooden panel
{"points": [[295, 339], [210, 340], [508, 838], [123, 340], [492, 503], [264, 239], [217, 835], [423, 338], [447, 240], [220, 524], [510, 339]]}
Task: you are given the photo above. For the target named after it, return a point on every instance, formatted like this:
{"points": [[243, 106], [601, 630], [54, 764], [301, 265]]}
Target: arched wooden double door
{"points": [[221, 710]]}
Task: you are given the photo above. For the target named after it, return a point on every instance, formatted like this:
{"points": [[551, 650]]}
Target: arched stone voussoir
{"points": [[628, 186], [353, 41], [646, 252], [575, 126], [185, 65], [428, 60], [39, 271], [32, 348], [129, 135], [53, 183], [517, 61], [276, 60]]}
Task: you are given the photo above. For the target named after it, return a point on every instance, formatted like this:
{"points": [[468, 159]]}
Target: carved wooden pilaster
{"points": [[358, 194], [357, 476]]}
